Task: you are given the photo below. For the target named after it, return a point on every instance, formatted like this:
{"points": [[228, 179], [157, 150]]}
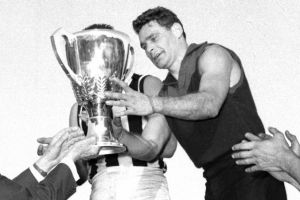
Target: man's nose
{"points": [[150, 49]]}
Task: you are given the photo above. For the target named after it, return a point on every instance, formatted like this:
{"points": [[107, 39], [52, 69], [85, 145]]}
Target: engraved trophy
{"points": [[89, 58]]}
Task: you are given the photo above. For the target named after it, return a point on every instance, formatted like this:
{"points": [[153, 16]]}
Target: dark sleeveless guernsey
{"points": [[206, 140]]}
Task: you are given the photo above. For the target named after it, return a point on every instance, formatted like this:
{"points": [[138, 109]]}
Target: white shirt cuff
{"points": [[36, 174], [69, 162]]}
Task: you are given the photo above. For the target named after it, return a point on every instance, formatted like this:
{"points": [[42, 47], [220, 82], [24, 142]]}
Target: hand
{"points": [[135, 102], [117, 127], [281, 176], [84, 116], [85, 148], [266, 155], [57, 147], [45, 141]]}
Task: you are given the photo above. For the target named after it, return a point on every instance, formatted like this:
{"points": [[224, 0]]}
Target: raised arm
{"points": [[156, 139], [216, 69]]}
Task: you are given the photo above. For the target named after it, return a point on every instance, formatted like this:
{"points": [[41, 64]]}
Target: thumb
{"points": [[44, 140], [275, 132], [122, 84], [295, 146]]}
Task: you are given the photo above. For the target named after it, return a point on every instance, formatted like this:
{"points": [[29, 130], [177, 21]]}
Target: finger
{"points": [[244, 141], [246, 161], [74, 140], [74, 134], [93, 150], [125, 112], [242, 154], [264, 136], [274, 131], [295, 146], [252, 137], [116, 95], [120, 103], [44, 140], [63, 134], [292, 138], [41, 149], [243, 146], [123, 85], [253, 168]]}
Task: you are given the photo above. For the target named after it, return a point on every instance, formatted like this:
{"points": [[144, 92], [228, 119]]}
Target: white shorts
{"points": [[130, 183]]}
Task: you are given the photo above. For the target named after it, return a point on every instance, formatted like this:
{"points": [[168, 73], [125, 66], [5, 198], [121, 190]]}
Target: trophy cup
{"points": [[89, 58]]}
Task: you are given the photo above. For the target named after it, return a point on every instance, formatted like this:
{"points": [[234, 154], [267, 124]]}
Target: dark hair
{"points": [[99, 26], [161, 15]]}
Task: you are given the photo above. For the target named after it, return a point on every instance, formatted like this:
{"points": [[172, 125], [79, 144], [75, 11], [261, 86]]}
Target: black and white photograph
{"points": [[150, 100]]}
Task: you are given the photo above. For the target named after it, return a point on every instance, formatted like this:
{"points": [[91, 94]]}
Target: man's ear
{"points": [[177, 29]]}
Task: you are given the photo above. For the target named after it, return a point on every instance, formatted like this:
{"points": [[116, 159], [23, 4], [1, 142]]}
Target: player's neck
{"points": [[175, 68]]}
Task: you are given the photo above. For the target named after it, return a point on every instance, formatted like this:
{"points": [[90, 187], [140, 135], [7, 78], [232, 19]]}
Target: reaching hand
{"points": [[135, 102], [57, 147], [265, 154], [84, 148], [117, 127]]}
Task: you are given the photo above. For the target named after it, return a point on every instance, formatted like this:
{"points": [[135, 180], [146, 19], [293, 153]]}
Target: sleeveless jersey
{"points": [[207, 140], [133, 124]]}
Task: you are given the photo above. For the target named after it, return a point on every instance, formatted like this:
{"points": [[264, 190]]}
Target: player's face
{"points": [[159, 44]]}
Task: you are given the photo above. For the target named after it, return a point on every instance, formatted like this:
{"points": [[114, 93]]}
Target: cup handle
{"points": [[130, 61], [71, 39]]}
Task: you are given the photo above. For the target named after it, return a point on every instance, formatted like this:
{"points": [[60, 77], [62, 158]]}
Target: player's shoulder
{"points": [[152, 85]]}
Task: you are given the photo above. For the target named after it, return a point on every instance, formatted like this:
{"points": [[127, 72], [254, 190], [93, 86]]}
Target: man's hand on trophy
{"points": [[63, 135], [84, 116], [117, 127], [85, 148], [57, 147], [135, 102]]}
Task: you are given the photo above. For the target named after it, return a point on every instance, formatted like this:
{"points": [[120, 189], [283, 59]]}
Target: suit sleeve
{"points": [[58, 185], [26, 179]]}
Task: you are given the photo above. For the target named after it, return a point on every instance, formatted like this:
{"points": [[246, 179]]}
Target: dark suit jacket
{"points": [[58, 185]]}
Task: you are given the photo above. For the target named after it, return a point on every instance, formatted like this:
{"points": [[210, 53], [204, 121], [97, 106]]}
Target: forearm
{"points": [[291, 164], [295, 183], [138, 147], [45, 164], [194, 106], [82, 170]]}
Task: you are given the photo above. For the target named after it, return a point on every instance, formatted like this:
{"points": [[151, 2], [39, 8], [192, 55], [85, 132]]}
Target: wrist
{"points": [[40, 170], [155, 104], [288, 160], [44, 164]]}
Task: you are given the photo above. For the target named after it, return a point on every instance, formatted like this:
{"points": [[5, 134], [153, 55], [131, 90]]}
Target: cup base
{"points": [[110, 148]]}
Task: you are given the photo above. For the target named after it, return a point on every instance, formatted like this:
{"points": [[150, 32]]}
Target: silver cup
{"points": [[89, 58]]}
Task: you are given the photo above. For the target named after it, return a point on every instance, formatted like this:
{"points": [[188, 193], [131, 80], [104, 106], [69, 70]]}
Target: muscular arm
{"points": [[156, 139], [216, 68]]}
